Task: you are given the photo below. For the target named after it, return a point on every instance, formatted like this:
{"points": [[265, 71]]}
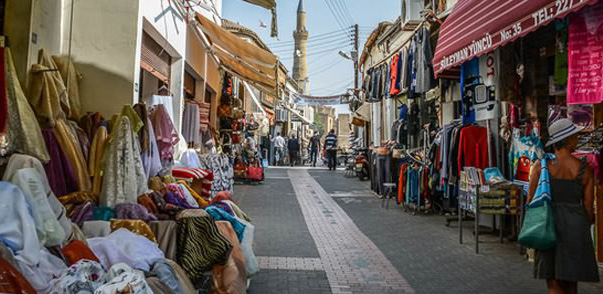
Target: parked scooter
{"points": [[361, 164]]}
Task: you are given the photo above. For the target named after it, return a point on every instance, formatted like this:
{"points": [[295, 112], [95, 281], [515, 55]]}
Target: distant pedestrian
{"points": [[331, 148], [314, 148], [279, 145], [572, 190], [293, 147]]}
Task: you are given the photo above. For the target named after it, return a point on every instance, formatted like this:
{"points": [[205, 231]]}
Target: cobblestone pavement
{"points": [[314, 226]]}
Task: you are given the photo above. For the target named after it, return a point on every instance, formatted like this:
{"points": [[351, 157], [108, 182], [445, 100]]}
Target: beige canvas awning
{"points": [[364, 112], [242, 58]]}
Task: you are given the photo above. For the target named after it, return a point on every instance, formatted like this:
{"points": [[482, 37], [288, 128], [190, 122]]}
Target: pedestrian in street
{"points": [[314, 148], [293, 147], [279, 146], [572, 190], [331, 147]]}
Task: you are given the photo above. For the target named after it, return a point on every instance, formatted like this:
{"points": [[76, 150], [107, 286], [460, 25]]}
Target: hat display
{"points": [[562, 129]]}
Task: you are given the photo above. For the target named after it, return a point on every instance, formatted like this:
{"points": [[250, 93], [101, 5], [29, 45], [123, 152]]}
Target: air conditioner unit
{"points": [[411, 10]]}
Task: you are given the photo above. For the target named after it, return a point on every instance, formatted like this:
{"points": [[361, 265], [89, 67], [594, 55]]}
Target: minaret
{"points": [[299, 54]]}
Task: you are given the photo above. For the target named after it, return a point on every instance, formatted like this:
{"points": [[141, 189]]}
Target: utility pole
{"points": [[356, 59]]}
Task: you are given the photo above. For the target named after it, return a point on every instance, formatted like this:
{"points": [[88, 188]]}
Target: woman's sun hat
{"points": [[562, 129]]}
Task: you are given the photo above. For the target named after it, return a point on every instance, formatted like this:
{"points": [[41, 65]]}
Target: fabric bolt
{"points": [[73, 200], [175, 199], [165, 232], [191, 124], [190, 159], [83, 212], [60, 173], [71, 78], [73, 152], [93, 229], [82, 139], [202, 179], [47, 92], [190, 199], [103, 213], [97, 151], [50, 232], [200, 245], [165, 133], [473, 149], [156, 184], [123, 279], [24, 134], [19, 161], [124, 178], [85, 276], [220, 214], [180, 191], [135, 226], [166, 274], [202, 202], [148, 203], [238, 212], [232, 277], [12, 281], [224, 206], [77, 250], [123, 246], [166, 210], [133, 211]]}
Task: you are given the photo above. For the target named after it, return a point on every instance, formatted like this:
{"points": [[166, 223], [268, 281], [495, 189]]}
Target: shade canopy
{"points": [[476, 27]]}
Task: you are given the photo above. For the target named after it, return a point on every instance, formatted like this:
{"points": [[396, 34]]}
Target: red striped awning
{"points": [[476, 27]]}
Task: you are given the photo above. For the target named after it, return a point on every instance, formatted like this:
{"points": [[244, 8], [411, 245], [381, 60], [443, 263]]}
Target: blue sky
{"points": [[329, 73]]}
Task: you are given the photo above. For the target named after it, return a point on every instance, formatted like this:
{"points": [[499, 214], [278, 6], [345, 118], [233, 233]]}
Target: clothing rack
{"points": [[397, 49]]}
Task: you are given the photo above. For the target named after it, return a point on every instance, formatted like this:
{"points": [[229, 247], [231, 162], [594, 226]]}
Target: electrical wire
{"points": [[341, 46], [313, 42], [335, 15], [312, 37], [316, 46], [325, 68], [339, 6]]}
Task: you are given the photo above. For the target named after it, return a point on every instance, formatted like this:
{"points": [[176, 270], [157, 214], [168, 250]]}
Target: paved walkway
{"points": [[319, 232]]}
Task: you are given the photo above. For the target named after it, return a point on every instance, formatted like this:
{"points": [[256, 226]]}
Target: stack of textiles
{"points": [[222, 168]]}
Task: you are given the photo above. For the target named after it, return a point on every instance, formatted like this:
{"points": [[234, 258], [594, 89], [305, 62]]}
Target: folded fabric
{"points": [[200, 244], [12, 281], [238, 211], [41, 273], [165, 232], [166, 274], [123, 246], [175, 199], [83, 212], [183, 279], [221, 196], [85, 276], [135, 226], [77, 250], [200, 200], [133, 211], [219, 214], [224, 206], [59, 171], [166, 210], [123, 279], [72, 200], [148, 203], [156, 184], [231, 277], [92, 229], [103, 213], [7, 254]]}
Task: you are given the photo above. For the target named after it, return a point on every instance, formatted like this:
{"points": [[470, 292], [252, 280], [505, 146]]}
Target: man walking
{"points": [[293, 147], [314, 148], [331, 147], [279, 146]]}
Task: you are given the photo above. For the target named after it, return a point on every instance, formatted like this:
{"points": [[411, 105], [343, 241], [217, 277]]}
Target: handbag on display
{"points": [[240, 169], [538, 229], [255, 173]]}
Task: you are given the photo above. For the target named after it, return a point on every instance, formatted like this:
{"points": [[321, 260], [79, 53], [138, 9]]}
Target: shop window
{"points": [[189, 86], [154, 59]]}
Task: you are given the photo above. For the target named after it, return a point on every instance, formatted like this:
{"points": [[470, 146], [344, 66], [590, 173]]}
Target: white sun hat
{"points": [[562, 129]]}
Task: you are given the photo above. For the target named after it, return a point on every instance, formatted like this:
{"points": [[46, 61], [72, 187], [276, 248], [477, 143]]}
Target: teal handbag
{"points": [[538, 229]]}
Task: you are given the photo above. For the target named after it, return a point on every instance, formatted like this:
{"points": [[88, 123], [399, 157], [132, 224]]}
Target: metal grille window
{"points": [[155, 59]]}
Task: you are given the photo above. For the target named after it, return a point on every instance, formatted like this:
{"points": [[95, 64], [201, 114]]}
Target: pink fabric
{"points": [[593, 160], [165, 133], [585, 49]]}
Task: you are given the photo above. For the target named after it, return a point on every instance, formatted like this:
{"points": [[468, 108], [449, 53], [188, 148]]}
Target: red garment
{"points": [[473, 148], [523, 169], [402, 183], [12, 281], [394, 75], [425, 192], [77, 250]]}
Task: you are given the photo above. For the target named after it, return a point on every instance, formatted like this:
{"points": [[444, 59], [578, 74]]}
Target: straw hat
{"points": [[562, 129]]}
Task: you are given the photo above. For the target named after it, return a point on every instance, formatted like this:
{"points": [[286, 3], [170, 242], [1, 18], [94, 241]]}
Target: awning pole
{"points": [[253, 97]]}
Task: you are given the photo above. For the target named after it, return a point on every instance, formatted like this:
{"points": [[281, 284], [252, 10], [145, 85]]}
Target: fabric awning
{"points": [[270, 5], [244, 59], [364, 112], [476, 27], [296, 113]]}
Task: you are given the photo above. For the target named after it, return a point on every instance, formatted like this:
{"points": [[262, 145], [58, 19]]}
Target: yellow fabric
{"points": [[47, 92], [69, 73], [24, 133], [129, 112], [202, 202], [97, 150], [72, 200], [135, 226], [168, 179], [155, 184], [74, 154]]}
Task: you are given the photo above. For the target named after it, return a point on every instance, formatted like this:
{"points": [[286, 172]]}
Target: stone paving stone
{"points": [[281, 229], [289, 281], [429, 256]]}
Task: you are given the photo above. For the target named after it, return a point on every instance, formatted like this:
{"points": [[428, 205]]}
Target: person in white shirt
{"points": [[279, 145]]}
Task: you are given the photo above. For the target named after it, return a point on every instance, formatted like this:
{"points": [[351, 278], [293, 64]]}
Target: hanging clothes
{"points": [[191, 124], [47, 92], [61, 175], [124, 178], [425, 79], [97, 150], [165, 133], [74, 154], [473, 148], [71, 78], [151, 159], [394, 89], [529, 147]]}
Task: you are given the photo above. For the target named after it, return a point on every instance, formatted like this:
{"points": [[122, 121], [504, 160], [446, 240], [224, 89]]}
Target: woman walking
{"points": [[572, 190]]}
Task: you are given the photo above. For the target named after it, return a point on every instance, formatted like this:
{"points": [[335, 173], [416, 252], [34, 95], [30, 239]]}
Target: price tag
{"points": [[485, 189]]}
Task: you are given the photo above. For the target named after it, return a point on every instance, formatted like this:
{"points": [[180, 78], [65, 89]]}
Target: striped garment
{"points": [[200, 245], [206, 177], [331, 141]]}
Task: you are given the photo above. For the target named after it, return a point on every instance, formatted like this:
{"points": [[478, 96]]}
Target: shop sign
{"points": [[489, 70], [492, 40], [316, 100]]}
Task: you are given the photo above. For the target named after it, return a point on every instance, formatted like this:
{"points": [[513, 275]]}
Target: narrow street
{"points": [[320, 232]]}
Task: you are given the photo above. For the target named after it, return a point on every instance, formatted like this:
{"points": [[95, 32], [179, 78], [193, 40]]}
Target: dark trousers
{"points": [[313, 155], [293, 157], [332, 158]]}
